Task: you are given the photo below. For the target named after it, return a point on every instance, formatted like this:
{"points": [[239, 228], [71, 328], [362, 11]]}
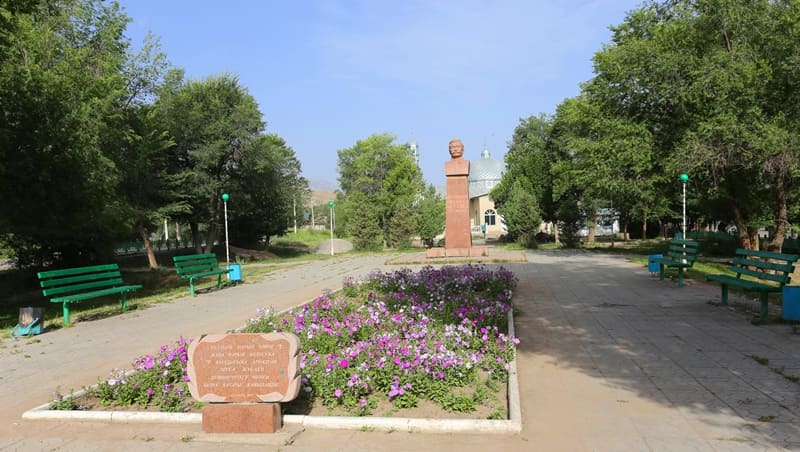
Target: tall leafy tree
{"points": [[385, 178], [265, 187], [212, 123], [60, 81], [714, 82], [430, 216]]}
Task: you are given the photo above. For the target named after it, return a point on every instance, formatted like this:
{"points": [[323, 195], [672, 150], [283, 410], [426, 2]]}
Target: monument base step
{"points": [[242, 418], [475, 251]]}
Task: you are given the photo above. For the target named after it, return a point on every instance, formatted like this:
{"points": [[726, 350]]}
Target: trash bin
{"points": [[235, 273], [653, 267], [791, 303], [30, 322]]}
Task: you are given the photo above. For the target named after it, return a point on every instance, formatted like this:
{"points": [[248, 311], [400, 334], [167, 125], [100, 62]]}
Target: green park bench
{"points": [[681, 255], [72, 285], [766, 271], [198, 266]]}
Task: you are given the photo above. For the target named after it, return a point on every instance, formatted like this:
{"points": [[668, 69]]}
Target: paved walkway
{"points": [[610, 360]]}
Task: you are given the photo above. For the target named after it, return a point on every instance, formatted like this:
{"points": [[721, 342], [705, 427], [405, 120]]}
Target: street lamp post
{"points": [[331, 204], [684, 179], [225, 198]]}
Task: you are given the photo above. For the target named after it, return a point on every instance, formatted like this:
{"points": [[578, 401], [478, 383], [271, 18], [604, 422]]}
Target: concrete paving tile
{"points": [[735, 444], [678, 443], [710, 372], [676, 382], [684, 396]]}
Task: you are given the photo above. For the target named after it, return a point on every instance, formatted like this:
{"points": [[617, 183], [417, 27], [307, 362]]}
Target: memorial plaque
{"points": [[244, 367]]}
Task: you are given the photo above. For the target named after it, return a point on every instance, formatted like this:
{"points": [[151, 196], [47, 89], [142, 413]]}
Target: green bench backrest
{"points": [[80, 279], [683, 249], [195, 263], [767, 265]]}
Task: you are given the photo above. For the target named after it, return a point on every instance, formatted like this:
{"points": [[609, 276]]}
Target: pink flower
{"points": [[344, 364], [337, 392]]}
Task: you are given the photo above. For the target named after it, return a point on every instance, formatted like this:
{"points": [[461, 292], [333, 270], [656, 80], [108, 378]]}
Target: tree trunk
{"points": [[782, 217], [196, 237], [748, 237], [210, 237], [148, 246], [555, 233]]}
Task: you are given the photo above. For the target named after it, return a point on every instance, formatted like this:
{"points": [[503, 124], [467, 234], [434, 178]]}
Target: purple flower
{"points": [[344, 364], [337, 393]]}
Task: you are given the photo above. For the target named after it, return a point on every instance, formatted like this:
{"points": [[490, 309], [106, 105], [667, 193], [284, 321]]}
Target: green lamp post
{"points": [[331, 204], [225, 197], [684, 179]]}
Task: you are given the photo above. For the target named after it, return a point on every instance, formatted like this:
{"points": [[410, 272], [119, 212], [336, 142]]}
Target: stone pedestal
{"points": [[242, 418], [457, 231]]}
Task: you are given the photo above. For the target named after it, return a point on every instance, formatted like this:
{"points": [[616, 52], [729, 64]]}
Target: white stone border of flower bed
{"points": [[512, 425]]}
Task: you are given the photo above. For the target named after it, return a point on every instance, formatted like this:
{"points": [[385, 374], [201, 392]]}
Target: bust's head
{"points": [[456, 148]]}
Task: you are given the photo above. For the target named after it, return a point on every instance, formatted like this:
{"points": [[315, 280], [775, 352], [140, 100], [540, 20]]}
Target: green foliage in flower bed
{"points": [[437, 334], [155, 380], [404, 336]]}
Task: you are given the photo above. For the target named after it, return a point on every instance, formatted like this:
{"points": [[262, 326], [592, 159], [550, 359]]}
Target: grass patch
{"points": [[303, 237], [158, 286], [761, 360]]}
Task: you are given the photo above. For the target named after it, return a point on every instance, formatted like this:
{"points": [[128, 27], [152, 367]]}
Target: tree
{"points": [[430, 216], [60, 81], [714, 82], [266, 184], [363, 225], [213, 123], [521, 214], [384, 177]]}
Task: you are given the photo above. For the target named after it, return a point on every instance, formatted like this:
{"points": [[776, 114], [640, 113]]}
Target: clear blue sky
{"points": [[327, 73]]}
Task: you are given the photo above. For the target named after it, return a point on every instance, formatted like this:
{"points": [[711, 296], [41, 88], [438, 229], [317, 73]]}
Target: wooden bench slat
{"points": [[744, 262], [195, 269], [78, 279], [781, 278], [188, 257], [768, 255], [76, 271], [95, 294], [81, 287], [745, 283], [204, 274]]}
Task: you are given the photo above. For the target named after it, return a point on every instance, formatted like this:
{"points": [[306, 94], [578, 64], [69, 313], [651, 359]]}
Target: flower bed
{"points": [[399, 338]]}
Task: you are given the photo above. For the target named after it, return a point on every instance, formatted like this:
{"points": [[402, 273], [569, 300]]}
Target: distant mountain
{"points": [[321, 197], [322, 185]]}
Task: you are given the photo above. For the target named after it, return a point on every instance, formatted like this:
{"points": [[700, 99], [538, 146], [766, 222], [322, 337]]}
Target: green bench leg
{"points": [[124, 302], [65, 310], [764, 305], [191, 286], [725, 294], [660, 272], [680, 276], [219, 281]]}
